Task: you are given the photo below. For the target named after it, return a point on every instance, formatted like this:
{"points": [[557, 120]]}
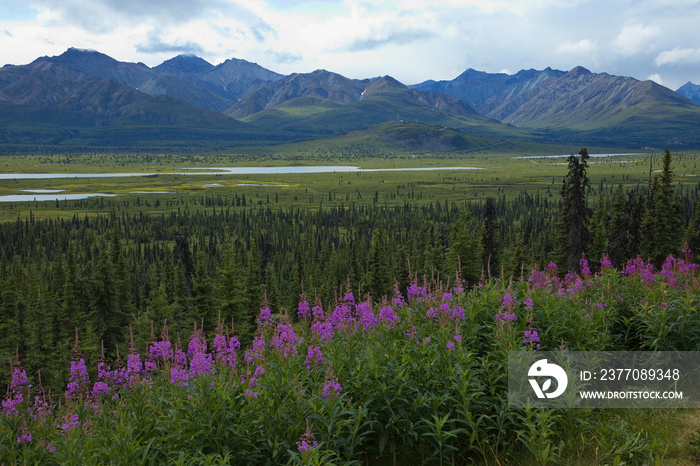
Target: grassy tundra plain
{"points": [[500, 174]]}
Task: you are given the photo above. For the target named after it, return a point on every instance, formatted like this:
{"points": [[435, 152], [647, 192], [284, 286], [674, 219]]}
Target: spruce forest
{"points": [[227, 331]]}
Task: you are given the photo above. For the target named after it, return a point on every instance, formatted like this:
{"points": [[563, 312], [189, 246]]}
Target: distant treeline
{"points": [[218, 261]]}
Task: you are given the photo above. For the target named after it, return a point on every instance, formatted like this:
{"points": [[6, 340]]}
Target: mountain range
{"points": [[88, 98]]}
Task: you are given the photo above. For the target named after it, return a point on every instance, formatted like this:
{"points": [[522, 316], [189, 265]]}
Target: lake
{"points": [[224, 171]]}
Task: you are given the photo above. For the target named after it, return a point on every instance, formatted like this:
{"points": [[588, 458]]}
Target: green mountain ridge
{"points": [[83, 96]]}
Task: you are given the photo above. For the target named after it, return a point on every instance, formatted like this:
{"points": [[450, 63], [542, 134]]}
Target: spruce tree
{"points": [[378, 278], [574, 236], [489, 243], [465, 250], [662, 223], [625, 224]]}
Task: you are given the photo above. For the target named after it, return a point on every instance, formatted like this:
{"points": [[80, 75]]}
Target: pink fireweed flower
{"points": [[551, 268], [304, 310], [179, 376], [388, 316], [585, 268], [314, 357], [537, 279], [318, 313], [201, 364], [450, 345], [265, 317], [509, 302], [197, 344], [99, 389], [365, 314], [504, 318], [342, 317], [532, 338], [419, 293], [134, 367], [256, 351], [225, 349], [15, 394], [349, 297], [24, 437], [322, 331], [398, 299], [41, 409], [71, 422], [605, 262], [331, 388], [79, 378], [306, 443], [161, 350], [285, 339], [457, 313]]}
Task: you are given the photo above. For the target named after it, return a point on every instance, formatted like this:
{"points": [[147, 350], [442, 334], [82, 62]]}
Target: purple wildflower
{"points": [[77, 385], [387, 314], [24, 437], [179, 376], [15, 395], [314, 357], [331, 388], [304, 310], [265, 317], [161, 350], [532, 338], [505, 318], [605, 262], [225, 349], [201, 364], [398, 299], [585, 268], [134, 367], [285, 339], [450, 345], [71, 421], [367, 319], [306, 442], [256, 351], [99, 389], [322, 331], [419, 293]]}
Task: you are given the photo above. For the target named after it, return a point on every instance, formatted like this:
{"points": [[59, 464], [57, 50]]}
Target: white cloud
{"points": [[579, 48], [635, 38], [656, 77], [678, 56]]}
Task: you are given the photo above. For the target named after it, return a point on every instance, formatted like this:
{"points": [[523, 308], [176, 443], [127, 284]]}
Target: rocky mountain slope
{"points": [[577, 106]]}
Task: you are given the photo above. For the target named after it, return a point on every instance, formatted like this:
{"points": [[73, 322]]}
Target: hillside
{"points": [[691, 91], [86, 94], [580, 105]]}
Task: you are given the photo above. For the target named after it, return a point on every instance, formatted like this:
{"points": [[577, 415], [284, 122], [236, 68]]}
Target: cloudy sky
{"points": [[411, 40]]}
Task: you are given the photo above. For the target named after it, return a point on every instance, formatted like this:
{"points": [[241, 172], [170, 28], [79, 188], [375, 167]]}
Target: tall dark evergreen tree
{"points": [[599, 229], [625, 225], [489, 240], [693, 232], [465, 250], [574, 235], [378, 279], [662, 224]]}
